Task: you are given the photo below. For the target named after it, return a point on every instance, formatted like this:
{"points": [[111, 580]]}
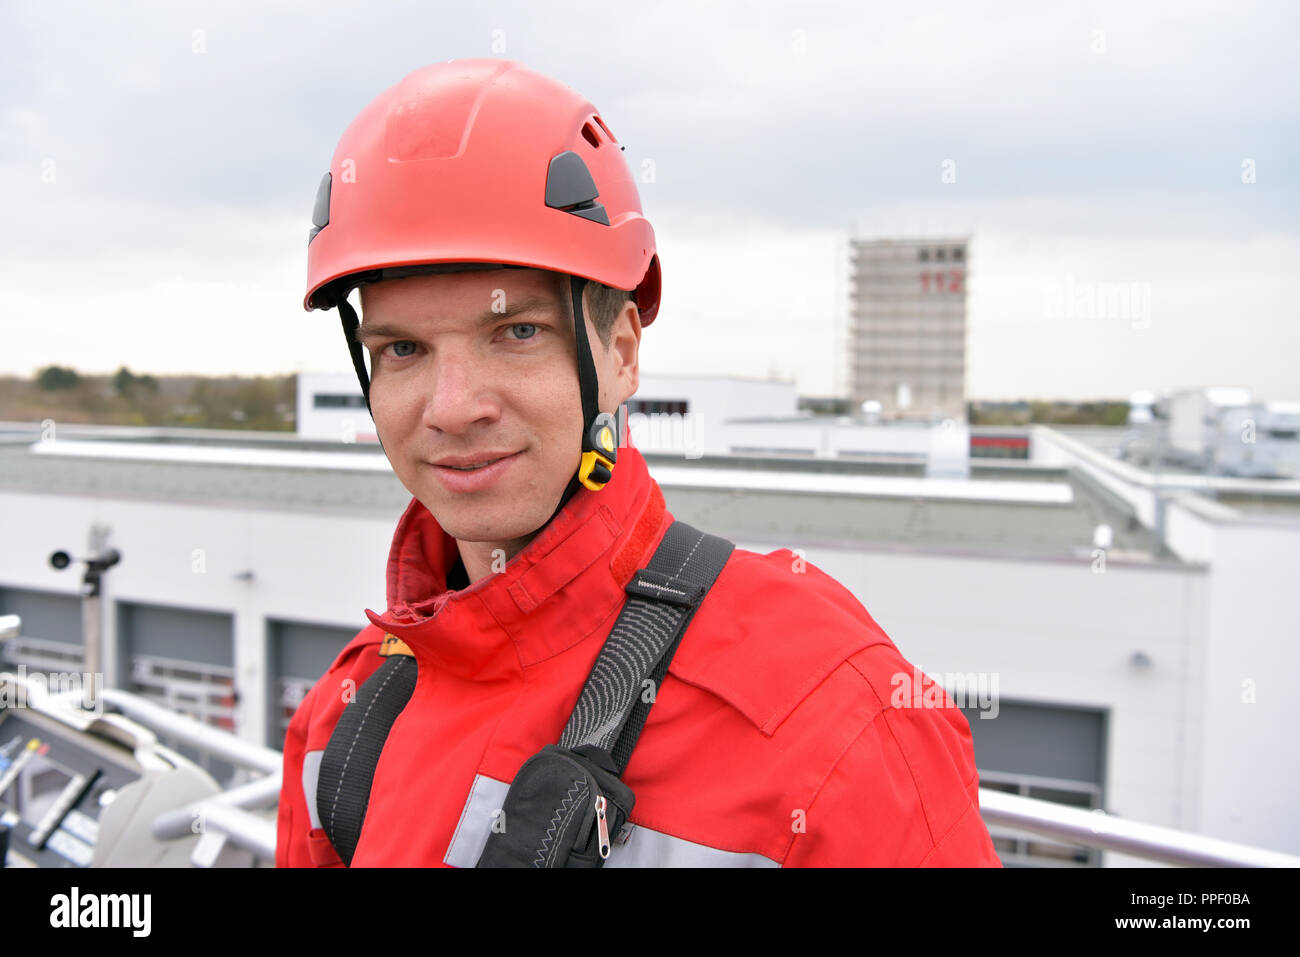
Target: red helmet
{"points": [[484, 162], [480, 160]]}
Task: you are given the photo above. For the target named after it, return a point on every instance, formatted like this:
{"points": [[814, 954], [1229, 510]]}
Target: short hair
{"points": [[601, 303], [606, 303]]}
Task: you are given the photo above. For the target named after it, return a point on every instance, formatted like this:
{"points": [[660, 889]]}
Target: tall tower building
{"points": [[907, 326]]}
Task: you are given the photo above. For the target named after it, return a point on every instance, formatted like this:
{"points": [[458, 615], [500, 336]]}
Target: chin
{"points": [[468, 525]]}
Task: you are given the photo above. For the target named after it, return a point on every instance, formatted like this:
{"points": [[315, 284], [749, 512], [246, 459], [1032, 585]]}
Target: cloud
{"points": [[186, 139]]}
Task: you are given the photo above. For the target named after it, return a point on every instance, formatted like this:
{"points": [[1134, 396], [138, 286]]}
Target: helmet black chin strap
{"points": [[348, 316], [599, 429]]}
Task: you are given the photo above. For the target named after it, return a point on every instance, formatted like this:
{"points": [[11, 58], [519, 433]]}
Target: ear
{"points": [[623, 355]]}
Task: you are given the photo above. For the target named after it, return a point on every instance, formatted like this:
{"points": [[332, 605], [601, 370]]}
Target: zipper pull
{"points": [[602, 825]]}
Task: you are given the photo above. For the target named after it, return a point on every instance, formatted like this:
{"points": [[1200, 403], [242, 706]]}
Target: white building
{"points": [[331, 406], [691, 416]]}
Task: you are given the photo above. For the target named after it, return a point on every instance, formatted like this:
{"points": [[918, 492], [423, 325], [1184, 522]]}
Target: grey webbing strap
{"points": [[662, 598]]}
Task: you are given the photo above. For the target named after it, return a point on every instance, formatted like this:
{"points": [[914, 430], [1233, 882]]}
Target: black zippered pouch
{"points": [[563, 809]]}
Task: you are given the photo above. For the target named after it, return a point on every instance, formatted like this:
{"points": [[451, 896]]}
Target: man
{"points": [[506, 273]]}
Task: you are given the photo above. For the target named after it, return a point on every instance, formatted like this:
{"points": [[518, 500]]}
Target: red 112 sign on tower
{"points": [[949, 281]]}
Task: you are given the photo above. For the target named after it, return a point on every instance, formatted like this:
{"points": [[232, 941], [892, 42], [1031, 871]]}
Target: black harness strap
{"points": [[347, 767], [662, 598], [567, 803]]}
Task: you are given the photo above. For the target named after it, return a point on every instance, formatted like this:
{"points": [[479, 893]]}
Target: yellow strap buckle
{"points": [[597, 466], [595, 470]]}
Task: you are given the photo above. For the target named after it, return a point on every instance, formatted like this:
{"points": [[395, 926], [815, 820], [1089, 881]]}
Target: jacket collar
{"points": [[560, 588]]}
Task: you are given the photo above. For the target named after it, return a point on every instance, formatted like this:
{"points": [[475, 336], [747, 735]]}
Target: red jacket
{"points": [[772, 740]]}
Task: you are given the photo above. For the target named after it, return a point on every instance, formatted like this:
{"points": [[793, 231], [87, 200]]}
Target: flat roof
{"points": [[1005, 507]]}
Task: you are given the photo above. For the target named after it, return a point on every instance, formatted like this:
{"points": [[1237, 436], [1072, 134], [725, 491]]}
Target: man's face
{"points": [[473, 366]]}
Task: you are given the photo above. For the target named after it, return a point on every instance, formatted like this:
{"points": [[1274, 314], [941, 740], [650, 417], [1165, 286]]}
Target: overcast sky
{"points": [[159, 160]]}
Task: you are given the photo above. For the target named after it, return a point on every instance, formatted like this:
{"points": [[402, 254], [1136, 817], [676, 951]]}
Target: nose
{"points": [[459, 393]]}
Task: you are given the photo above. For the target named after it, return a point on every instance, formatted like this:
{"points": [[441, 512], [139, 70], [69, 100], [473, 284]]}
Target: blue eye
{"points": [[524, 325], [403, 342]]}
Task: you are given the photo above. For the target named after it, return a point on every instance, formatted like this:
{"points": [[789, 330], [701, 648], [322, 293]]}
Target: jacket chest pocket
{"points": [[321, 850]]}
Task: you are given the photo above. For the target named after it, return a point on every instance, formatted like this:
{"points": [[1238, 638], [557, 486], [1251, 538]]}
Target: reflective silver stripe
{"points": [[485, 798], [310, 775], [645, 848]]}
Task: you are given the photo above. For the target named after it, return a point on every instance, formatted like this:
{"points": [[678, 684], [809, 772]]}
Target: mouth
{"points": [[469, 476], [466, 464], [475, 467]]}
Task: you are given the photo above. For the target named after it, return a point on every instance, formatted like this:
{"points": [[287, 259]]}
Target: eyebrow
{"points": [[369, 331]]}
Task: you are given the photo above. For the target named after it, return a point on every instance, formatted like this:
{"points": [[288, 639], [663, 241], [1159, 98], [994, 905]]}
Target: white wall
{"points": [[310, 567], [1250, 777], [713, 401], [830, 439]]}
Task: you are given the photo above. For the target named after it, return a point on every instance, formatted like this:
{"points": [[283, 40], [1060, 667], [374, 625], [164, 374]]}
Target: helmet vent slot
{"points": [[601, 124]]}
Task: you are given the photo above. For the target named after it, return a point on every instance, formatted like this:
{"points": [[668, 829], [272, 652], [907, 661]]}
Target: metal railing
{"points": [[1093, 828], [225, 816], [228, 815], [185, 730], [1096, 828]]}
